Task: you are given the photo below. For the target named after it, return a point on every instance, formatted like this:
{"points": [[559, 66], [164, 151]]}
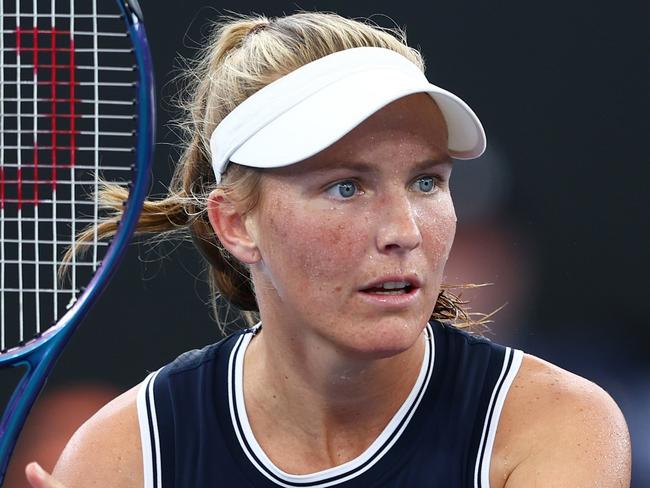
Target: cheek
{"points": [[308, 250], [438, 227], [305, 245]]}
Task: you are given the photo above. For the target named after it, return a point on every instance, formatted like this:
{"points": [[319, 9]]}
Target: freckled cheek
{"points": [[438, 228], [317, 247]]}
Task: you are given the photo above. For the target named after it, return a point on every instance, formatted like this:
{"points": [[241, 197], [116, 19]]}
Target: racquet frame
{"points": [[39, 355]]}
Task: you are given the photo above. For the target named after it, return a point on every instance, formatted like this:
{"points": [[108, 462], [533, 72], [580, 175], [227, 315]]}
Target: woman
{"points": [[316, 183]]}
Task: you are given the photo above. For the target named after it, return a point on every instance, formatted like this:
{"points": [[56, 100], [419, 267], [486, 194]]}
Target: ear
{"points": [[230, 227]]}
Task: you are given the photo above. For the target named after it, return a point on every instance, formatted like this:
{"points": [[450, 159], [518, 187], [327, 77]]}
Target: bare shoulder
{"points": [[558, 429], [106, 450]]}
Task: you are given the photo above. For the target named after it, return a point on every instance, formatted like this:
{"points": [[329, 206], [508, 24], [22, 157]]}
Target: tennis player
{"points": [[315, 181]]}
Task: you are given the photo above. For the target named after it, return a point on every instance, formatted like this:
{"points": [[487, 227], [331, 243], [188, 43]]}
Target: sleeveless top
{"points": [[195, 431]]}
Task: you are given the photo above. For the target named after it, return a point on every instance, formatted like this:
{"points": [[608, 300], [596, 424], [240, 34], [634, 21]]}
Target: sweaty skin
{"points": [[324, 231], [330, 367]]}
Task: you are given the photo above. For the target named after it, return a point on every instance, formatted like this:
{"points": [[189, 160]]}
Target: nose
{"points": [[398, 228]]}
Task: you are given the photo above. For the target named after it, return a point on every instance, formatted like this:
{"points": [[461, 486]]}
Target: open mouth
{"points": [[390, 288]]}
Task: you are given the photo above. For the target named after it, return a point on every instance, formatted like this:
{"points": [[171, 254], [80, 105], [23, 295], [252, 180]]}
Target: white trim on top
{"points": [[323, 479], [146, 390], [491, 423]]}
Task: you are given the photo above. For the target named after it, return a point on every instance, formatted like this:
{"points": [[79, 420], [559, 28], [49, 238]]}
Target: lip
{"points": [[409, 278], [401, 300]]}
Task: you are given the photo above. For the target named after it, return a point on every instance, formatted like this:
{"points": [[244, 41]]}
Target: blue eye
{"points": [[426, 184], [343, 189]]}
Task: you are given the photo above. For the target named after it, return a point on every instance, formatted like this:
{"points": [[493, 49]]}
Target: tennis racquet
{"points": [[76, 110]]}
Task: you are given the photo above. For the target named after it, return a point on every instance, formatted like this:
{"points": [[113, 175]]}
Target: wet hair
{"points": [[244, 54]]}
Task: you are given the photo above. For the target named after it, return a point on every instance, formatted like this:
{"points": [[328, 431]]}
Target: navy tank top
{"points": [[195, 432]]}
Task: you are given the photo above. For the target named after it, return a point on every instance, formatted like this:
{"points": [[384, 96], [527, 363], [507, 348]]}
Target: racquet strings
{"points": [[67, 119]]}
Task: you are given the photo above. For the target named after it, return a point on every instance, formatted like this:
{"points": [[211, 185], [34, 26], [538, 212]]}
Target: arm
{"points": [[105, 451], [572, 433]]}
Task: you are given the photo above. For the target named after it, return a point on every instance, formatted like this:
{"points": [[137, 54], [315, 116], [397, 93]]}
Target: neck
{"points": [[313, 391]]}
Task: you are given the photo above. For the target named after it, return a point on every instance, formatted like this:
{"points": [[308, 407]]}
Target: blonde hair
{"points": [[243, 55]]}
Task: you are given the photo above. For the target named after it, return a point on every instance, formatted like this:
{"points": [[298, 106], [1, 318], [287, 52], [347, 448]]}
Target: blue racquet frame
{"points": [[40, 354]]}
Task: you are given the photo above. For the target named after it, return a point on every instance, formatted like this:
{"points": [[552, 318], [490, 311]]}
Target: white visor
{"points": [[312, 107]]}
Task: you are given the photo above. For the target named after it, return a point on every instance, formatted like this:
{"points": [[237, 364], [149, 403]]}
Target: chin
{"points": [[385, 338]]}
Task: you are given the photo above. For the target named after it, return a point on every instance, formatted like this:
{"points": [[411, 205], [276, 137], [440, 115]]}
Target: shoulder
{"points": [[559, 429], [106, 449]]}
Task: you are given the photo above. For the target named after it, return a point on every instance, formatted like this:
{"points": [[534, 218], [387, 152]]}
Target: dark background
{"points": [[555, 214]]}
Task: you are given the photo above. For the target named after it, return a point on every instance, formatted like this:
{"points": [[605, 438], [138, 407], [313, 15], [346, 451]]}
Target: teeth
{"points": [[393, 285]]}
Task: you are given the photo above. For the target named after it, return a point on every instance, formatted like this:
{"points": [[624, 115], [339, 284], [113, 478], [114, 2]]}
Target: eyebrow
{"points": [[428, 163], [363, 167]]}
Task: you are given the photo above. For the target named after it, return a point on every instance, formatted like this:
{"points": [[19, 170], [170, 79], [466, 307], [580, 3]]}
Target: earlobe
{"points": [[230, 227]]}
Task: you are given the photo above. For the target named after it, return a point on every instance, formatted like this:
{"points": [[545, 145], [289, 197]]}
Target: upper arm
{"points": [[106, 450], [574, 435]]}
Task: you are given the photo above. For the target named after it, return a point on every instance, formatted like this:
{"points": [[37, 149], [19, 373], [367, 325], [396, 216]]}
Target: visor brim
{"points": [[325, 117]]}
